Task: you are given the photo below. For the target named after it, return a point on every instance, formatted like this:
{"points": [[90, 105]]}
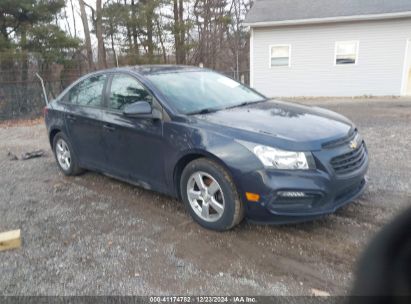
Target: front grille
{"points": [[351, 161], [341, 141]]}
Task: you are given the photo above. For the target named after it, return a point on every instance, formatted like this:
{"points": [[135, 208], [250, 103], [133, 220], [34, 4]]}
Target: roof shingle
{"points": [[289, 10]]}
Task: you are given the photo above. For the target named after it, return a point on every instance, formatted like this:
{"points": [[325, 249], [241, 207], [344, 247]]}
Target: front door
{"points": [[134, 146], [83, 117]]}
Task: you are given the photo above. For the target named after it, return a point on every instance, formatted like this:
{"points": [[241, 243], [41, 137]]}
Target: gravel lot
{"points": [[92, 235]]}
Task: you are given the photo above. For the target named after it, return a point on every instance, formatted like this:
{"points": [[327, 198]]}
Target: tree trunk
{"points": [[179, 31], [134, 27], [130, 41], [182, 33], [160, 37], [87, 38], [149, 20], [24, 100], [24, 55], [102, 63], [176, 31], [112, 45], [74, 19]]}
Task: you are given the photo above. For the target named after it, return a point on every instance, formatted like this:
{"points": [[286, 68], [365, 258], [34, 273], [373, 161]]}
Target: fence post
{"points": [[44, 89]]}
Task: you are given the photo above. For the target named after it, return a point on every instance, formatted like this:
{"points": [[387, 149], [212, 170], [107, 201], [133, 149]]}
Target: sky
{"points": [[69, 26]]}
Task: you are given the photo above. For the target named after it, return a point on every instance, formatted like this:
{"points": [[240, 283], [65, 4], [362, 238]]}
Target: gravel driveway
{"points": [[92, 235]]}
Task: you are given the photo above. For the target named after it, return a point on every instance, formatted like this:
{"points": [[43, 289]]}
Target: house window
{"points": [[346, 52], [280, 55]]}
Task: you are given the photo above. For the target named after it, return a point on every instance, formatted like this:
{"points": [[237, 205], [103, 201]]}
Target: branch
{"points": [[93, 12]]}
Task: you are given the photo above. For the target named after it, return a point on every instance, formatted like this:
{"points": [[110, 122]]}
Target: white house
{"points": [[330, 47]]}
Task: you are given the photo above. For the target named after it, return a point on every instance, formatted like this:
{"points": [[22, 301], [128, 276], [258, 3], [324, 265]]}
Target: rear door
{"points": [[134, 146], [83, 118]]}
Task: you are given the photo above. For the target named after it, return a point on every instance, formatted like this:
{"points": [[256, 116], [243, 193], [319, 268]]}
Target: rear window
{"points": [[89, 92]]}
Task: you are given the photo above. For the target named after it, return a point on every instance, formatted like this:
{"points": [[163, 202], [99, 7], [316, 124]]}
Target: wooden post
{"points": [[10, 240]]}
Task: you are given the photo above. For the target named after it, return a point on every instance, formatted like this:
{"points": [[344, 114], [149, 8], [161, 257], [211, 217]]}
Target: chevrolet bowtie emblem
{"points": [[353, 145]]}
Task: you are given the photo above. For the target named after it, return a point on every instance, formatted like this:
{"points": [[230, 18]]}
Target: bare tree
{"points": [[149, 22], [134, 26], [179, 31], [101, 55], [87, 38], [160, 38], [74, 19]]}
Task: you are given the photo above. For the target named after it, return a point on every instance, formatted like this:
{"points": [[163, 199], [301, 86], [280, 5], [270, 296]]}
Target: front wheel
{"points": [[210, 195], [64, 154]]}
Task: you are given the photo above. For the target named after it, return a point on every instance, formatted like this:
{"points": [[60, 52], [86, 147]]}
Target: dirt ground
{"points": [[92, 235]]}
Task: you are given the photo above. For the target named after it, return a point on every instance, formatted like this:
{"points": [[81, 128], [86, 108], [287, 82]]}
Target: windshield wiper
{"points": [[212, 110], [204, 111], [245, 104]]}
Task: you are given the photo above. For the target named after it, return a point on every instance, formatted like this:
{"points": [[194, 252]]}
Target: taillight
{"points": [[45, 110]]}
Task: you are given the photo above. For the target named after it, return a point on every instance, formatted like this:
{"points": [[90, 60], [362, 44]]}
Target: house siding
{"points": [[379, 70]]}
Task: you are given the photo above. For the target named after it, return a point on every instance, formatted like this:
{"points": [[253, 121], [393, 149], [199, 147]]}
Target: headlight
{"points": [[281, 159]]}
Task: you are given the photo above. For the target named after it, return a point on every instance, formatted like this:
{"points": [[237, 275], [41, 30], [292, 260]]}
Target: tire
{"points": [[70, 168], [210, 195]]}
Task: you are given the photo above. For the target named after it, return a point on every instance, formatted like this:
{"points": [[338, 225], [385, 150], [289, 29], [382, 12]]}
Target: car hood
{"points": [[286, 125]]}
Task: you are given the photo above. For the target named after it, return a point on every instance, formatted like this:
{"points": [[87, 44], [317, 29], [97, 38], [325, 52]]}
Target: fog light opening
{"points": [[291, 194]]}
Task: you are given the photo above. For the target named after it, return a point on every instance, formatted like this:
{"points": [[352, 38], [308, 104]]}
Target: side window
{"points": [[346, 52], [280, 55], [88, 92], [126, 90]]}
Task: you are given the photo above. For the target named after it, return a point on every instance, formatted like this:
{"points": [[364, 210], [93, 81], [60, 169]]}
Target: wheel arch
{"points": [[52, 134], [189, 157]]}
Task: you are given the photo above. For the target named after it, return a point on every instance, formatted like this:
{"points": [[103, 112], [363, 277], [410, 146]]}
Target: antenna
{"points": [[44, 89]]}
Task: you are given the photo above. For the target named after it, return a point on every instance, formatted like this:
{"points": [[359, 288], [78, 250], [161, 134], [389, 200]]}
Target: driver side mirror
{"points": [[141, 109]]}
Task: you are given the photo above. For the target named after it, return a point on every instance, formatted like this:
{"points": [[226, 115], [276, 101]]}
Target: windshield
{"points": [[195, 92]]}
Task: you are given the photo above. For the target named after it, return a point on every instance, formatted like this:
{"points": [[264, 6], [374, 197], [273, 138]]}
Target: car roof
{"points": [[146, 70]]}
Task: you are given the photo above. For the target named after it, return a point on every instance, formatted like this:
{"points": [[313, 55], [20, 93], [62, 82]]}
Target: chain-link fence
{"points": [[24, 98], [21, 93]]}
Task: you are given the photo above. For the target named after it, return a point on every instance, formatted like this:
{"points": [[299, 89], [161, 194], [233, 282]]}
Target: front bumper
{"points": [[324, 191]]}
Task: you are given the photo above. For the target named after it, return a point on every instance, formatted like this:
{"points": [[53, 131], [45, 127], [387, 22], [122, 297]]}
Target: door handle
{"points": [[71, 117], [109, 127]]}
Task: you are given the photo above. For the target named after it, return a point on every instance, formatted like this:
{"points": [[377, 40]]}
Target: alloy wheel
{"points": [[63, 154], [205, 196]]}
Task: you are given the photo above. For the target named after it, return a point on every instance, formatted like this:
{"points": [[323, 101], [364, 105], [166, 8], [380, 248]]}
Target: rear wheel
{"points": [[64, 154], [210, 195]]}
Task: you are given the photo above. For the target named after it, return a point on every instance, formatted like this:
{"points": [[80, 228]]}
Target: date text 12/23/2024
{"points": [[203, 299]]}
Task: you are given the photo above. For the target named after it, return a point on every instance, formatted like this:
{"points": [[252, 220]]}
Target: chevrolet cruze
{"points": [[225, 150]]}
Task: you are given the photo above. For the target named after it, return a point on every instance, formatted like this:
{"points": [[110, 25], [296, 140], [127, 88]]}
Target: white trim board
{"points": [[252, 58], [329, 19], [405, 71]]}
